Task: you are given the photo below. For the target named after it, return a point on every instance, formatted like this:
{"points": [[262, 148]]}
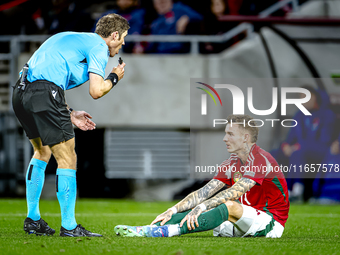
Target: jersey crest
{"points": [[237, 176]]}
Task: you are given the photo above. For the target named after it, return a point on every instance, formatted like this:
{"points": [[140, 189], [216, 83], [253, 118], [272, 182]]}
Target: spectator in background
{"points": [[212, 26], [23, 17], [46, 17], [234, 6], [173, 18], [326, 186], [307, 143], [131, 11], [67, 15], [217, 9]]}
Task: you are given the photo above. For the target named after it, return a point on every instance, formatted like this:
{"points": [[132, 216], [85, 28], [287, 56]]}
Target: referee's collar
{"points": [[101, 39]]}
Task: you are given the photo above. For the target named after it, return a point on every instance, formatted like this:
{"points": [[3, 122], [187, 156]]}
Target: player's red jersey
{"points": [[270, 193]]}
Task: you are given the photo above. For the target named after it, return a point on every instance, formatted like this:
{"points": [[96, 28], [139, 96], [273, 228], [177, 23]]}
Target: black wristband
{"points": [[113, 78], [70, 110]]}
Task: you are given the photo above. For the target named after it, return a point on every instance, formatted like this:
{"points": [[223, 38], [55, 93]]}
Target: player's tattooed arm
{"points": [[191, 200], [231, 194], [200, 195]]}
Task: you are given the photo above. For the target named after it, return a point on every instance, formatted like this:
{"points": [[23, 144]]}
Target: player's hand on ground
{"points": [[119, 70], [191, 218], [164, 217], [82, 120]]}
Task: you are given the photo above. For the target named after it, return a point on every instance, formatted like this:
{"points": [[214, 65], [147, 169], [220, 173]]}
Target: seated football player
{"points": [[255, 202]]}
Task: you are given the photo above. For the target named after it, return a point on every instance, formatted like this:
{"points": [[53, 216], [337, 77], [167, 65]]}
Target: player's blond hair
{"points": [[253, 131], [111, 23]]}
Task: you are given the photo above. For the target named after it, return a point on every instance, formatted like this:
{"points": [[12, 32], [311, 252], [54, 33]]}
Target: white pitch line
{"points": [[153, 214]]}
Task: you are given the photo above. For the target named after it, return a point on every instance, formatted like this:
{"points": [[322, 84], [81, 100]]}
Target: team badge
{"points": [[54, 93], [237, 176]]}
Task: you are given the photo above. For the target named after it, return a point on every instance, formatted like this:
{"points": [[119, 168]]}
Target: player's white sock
{"points": [[174, 230]]}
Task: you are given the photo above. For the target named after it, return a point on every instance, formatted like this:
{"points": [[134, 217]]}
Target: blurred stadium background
{"points": [[143, 125]]}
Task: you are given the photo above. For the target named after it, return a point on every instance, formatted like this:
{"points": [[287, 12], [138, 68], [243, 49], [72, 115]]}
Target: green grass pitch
{"points": [[309, 230]]}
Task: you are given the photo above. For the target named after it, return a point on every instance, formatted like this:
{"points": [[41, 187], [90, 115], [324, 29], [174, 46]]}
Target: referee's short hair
{"points": [[110, 23], [246, 119]]}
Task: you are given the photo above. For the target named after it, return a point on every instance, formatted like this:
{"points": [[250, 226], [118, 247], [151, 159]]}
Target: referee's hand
{"points": [[119, 70], [82, 120]]}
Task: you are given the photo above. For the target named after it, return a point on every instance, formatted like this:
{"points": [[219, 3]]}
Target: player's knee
{"points": [[231, 207], [229, 204], [42, 153], [72, 160], [234, 208], [68, 160]]}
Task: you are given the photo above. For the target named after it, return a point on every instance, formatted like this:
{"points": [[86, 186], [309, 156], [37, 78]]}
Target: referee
{"points": [[65, 61]]}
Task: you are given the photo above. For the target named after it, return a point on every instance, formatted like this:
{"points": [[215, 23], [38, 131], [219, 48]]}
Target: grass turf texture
{"points": [[309, 230]]}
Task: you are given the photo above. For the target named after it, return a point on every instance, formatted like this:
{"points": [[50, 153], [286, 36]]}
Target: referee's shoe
{"points": [[79, 230], [38, 227]]}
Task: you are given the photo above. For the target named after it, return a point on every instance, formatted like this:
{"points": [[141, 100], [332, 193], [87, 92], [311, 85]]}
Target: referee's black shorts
{"points": [[42, 111]]}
